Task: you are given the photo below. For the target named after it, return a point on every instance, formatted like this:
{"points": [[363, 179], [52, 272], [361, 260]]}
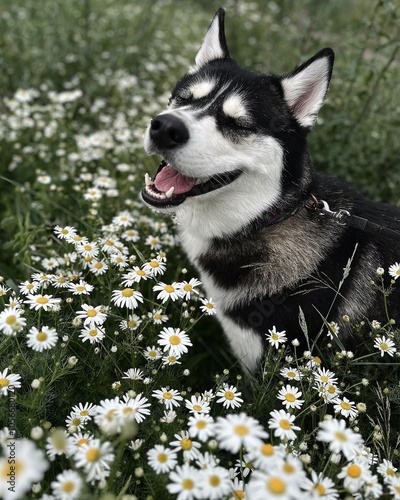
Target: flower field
{"points": [[115, 379]]}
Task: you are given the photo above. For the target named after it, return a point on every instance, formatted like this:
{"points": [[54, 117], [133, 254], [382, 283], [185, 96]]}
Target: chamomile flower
{"points": [[290, 397], [386, 469], [78, 439], [162, 459], [215, 482], [93, 333], [88, 249], [92, 314], [29, 287], [58, 443], [169, 397], [81, 288], [127, 297], [319, 487], [157, 316], [132, 323], [155, 267], [346, 408], [119, 259], [152, 353], [340, 438], [133, 374], [123, 219], [134, 275], [76, 421], [174, 340], [65, 233], [189, 288], [333, 329], [131, 235], [201, 426], [95, 458], [172, 291], [86, 411], [324, 376], [108, 416], [264, 455], [189, 447], [8, 383], [67, 485], [372, 487], [328, 392], [237, 430], [355, 475], [11, 321], [171, 359], [98, 267], [208, 306], [385, 346], [229, 396], [276, 338], [283, 424], [136, 408], [45, 302], [393, 484], [272, 485], [291, 373], [394, 270], [196, 404], [43, 339], [185, 482]]}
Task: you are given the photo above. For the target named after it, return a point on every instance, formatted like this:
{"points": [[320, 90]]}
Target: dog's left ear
{"points": [[305, 89], [214, 43]]}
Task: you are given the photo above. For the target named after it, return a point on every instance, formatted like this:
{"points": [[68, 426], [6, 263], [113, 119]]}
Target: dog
{"points": [[268, 234]]}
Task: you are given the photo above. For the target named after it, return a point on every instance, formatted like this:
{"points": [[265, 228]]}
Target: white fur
{"points": [[210, 48], [234, 107], [202, 88], [305, 91]]}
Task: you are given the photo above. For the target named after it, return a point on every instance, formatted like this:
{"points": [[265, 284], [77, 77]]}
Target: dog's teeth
{"points": [[147, 180], [170, 192]]}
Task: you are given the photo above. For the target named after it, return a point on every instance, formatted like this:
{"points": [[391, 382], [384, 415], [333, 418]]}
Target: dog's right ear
{"points": [[214, 43]]}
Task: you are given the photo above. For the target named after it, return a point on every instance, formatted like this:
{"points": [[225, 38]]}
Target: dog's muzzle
{"points": [[168, 132]]}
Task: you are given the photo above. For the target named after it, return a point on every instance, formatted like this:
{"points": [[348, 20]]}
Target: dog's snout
{"points": [[168, 131]]}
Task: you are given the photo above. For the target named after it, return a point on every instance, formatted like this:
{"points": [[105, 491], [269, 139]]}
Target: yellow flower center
{"points": [[267, 450], [88, 248], [188, 288], [42, 300], [197, 408], [390, 472], [276, 485], [93, 454], [331, 389], [153, 354], [186, 444], [290, 397], [127, 292], [82, 441], [93, 332], [132, 323], [345, 405], [91, 313], [187, 484], [340, 436], [317, 360], [169, 289], [201, 424], [239, 494], [288, 468], [320, 489], [154, 263], [384, 346], [41, 336], [4, 382], [275, 336], [162, 458], [174, 340], [241, 430], [76, 421], [167, 395], [140, 272], [214, 481], [98, 265], [354, 471], [229, 395], [324, 379], [285, 424], [80, 288], [6, 471], [291, 374], [11, 320]]}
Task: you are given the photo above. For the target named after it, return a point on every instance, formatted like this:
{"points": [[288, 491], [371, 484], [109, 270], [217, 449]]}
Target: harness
{"points": [[342, 217]]}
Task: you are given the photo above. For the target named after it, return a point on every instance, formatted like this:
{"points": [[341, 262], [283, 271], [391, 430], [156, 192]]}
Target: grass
{"points": [[81, 81]]}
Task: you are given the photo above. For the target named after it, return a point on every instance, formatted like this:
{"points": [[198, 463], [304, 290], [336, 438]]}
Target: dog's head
{"points": [[229, 131]]}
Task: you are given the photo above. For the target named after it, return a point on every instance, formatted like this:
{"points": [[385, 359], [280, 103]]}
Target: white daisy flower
{"points": [[43, 339], [189, 447], [152, 353], [385, 346], [196, 405], [271, 485], [155, 267], [58, 443], [235, 431], [185, 481], [92, 315], [88, 249], [394, 270], [162, 459], [134, 275], [386, 469], [29, 287], [169, 397], [208, 307], [8, 383], [215, 482], [132, 323], [81, 288], [291, 373], [133, 374], [92, 333], [290, 397], [276, 338], [320, 487], [264, 455], [346, 408], [86, 411], [126, 298], [355, 475], [172, 291], [11, 321], [324, 376], [189, 288], [45, 302], [229, 396], [98, 267], [135, 408], [157, 316], [108, 416], [174, 340], [95, 458], [131, 235], [282, 423], [201, 426], [340, 438]]}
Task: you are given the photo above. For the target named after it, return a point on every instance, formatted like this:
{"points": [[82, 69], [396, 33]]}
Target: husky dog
{"points": [[237, 173]]}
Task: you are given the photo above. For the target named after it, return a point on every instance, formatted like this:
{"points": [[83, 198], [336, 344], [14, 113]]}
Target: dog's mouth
{"points": [[170, 188]]}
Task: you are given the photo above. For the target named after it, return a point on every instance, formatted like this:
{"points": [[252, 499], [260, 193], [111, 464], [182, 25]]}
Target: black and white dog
{"points": [[237, 173]]}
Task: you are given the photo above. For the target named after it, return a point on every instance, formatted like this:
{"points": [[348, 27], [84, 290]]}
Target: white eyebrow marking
{"points": [[234, 107], [202, 88]]}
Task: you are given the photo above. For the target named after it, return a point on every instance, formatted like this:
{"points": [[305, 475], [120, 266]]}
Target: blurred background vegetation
{"points": [[56, 44]]}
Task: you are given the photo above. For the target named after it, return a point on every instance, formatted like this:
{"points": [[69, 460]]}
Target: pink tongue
{"points": [[169, 177]]}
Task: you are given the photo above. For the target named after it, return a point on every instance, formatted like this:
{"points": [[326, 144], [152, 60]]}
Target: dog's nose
{"points": [[168, 131]]}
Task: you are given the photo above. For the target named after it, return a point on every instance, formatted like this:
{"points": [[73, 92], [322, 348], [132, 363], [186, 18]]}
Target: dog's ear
{"points": [[214, 43], [305, 89]]}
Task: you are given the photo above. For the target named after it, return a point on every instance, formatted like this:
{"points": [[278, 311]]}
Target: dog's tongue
{"points": [[169, 177]]}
